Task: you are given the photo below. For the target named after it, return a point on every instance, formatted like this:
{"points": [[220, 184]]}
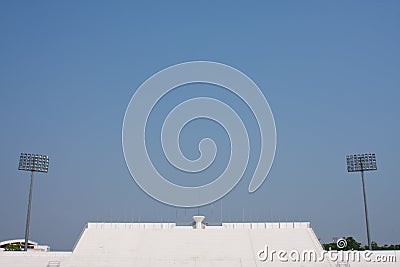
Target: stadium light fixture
{"points": [[33, 163], [361, 163]]}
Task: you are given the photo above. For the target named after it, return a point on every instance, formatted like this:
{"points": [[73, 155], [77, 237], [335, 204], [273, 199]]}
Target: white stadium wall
{"points": [[166, 244]]}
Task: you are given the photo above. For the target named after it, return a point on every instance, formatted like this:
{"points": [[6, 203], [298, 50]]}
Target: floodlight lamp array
{"points": [[33, 162], [361, 162]]}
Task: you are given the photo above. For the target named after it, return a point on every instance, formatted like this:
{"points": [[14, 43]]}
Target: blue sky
{"points": [[329, 70]]}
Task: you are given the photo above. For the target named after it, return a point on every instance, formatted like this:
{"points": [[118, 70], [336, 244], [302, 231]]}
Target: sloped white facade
{"points": [[166, 244]]}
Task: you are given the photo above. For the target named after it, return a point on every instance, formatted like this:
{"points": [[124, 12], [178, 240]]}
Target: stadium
{"points": [[168, 244], [199, 133]]}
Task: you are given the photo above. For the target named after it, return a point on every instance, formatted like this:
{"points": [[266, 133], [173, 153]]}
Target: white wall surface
{"points": [[165, 244]]}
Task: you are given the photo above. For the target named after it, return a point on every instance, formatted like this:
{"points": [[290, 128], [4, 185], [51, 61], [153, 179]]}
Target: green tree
{"points": [[352, 244], [12, 247]]}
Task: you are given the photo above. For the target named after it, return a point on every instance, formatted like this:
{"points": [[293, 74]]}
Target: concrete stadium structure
{"points": [[167, 244]]}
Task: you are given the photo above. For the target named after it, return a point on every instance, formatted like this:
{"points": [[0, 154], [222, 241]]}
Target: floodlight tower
{"points": [[361, 163], [33, 163]]}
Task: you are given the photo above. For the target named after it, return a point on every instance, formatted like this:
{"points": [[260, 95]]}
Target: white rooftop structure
{"points": [[166, 244], [31, 245]]}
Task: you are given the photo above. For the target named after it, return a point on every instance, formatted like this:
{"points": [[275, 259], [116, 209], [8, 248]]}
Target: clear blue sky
{"points": [[330, 71]]}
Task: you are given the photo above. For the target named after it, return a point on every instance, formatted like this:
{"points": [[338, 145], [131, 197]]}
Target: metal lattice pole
{"points": [[366, 211], [33, 163], [28, 216], [361, 163]]}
